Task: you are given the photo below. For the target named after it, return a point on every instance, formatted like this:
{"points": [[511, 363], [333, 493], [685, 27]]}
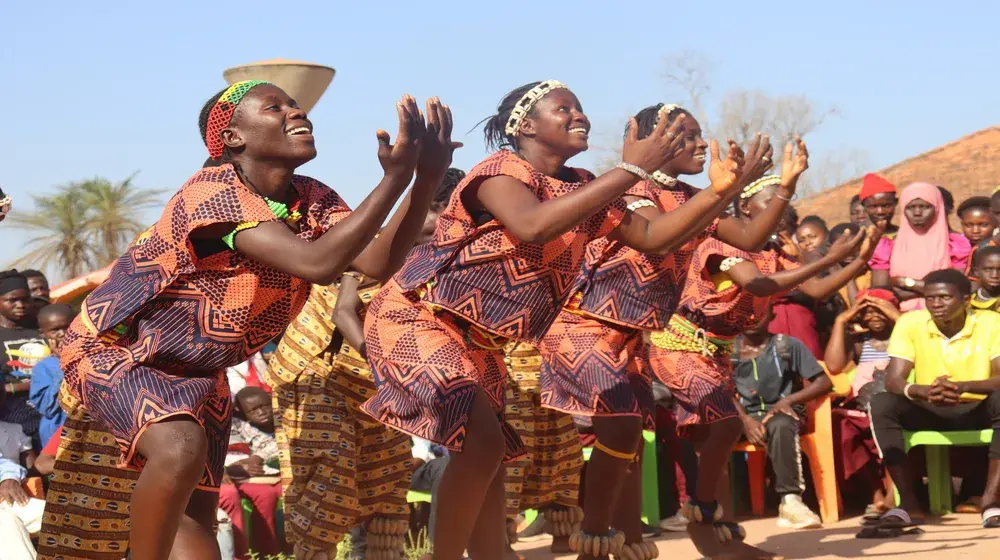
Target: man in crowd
{"points": [[952, 355]]}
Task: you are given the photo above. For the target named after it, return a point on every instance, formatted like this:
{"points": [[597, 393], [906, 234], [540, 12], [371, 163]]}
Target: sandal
{"points": [[893, 523], [991, 518]]}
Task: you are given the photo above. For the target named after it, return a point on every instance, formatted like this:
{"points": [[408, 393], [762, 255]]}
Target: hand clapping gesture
{"points": [[400, 159], [654, 151], [793, 164], [436, 147]]}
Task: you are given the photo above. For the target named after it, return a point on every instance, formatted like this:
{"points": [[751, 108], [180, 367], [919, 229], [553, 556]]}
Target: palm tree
{"points": [[62, 227], [114, 210]]}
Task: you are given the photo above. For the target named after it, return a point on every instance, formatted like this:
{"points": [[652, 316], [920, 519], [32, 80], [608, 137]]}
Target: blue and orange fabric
{"points": [[594, 357], [154, 339], [437, 332], [691, 356]]}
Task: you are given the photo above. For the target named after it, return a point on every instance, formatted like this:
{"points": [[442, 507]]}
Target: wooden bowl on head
{"points": [[304, 81]]}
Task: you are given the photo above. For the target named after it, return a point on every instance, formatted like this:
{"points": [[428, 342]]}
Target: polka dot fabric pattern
{"points": [[486, 276], [222, 114], [640, 290], [154, 339], [339, 467], [594, 368], [427, 367]]}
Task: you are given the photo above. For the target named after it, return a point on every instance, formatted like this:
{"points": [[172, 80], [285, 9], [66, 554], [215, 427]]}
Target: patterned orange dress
{"points": [[691, 355], [436, 332], [153, 341], [594, 355]]}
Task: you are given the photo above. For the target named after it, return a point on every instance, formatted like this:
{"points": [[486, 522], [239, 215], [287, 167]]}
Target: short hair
{"points": [[983, 252], [814, 221], [837, 231], [56, 309], [452, 177], [951, 277], [982, 202], [856, 199], [251, 391], [32, 273]]}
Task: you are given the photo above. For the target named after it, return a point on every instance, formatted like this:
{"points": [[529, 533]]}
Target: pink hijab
{"points": [[916, 254]]}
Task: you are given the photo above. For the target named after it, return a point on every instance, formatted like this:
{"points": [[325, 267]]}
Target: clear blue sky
{"points": [[108, 88]]}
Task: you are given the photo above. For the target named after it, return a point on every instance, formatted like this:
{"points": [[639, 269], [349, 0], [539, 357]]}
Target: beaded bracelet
{"points": [[634, 170]]}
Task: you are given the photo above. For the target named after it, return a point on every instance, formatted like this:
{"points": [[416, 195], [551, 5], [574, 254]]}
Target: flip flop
{"points": [[991, 518], [893, 523]]}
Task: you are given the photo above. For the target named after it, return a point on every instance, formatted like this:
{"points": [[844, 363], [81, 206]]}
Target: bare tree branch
{"points": [[686, 74]]}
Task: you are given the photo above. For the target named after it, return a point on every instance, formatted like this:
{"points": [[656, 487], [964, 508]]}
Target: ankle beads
{"points": [[596, 545], [563, 522]]}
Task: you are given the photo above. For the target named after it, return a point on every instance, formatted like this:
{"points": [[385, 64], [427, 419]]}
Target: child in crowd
{"points": [[987, 270], [252, 438], [46, 377], [20, 515], [977, 220], [769, 371]]}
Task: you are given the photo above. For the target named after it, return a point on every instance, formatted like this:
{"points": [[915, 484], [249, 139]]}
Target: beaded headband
{"points": [[527, 101], [222, 114], [666, 110], [759, 185]]}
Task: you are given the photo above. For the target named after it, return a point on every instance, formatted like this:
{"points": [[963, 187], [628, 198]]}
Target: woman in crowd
{"points": [[812, 234], [505, 255], [221, 273], [923, 244], [858, 215], [860, 337], [594, 353], [977, 219], [726, 291]]}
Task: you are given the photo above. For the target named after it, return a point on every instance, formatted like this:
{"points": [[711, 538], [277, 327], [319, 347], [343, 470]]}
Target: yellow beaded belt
{"points": [[682, 335], [476, 334]]}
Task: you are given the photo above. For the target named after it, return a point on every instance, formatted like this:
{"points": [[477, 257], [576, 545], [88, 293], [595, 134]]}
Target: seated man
{"points": [[769, 371], [943, 375], [20, 515], [252, 438]]}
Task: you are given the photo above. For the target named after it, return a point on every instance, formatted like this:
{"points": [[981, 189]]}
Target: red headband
{"points": [[879, 293], [873, 184]]}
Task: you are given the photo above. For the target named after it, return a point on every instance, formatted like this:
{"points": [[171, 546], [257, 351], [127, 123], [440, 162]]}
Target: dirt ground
{"points": [[947, 538]]}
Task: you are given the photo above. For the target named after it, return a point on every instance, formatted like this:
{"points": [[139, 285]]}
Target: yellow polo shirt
{"points": [[964, 357]]}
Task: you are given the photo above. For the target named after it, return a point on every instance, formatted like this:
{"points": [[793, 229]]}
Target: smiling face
{"points": [[880, 207], [268, 125], [920, 214], [875, 321], [558, 122], [694, 154], [977, 224]]}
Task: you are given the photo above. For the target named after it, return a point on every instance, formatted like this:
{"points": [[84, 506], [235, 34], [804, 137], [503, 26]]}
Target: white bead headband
{"points": [[527, 101]]}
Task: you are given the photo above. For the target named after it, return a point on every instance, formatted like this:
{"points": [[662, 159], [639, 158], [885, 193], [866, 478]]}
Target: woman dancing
{"points": [[221, 273], [727, 290], [339, 467], [594, 353], [503, 260]]}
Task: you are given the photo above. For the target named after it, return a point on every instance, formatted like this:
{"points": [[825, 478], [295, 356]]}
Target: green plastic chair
{"points": [[938, 467], [279, 519], [650, 482]]}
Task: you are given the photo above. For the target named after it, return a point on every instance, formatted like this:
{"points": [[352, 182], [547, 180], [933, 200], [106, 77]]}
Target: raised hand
{"points": [[794, 163], [724, 173], [4, 206], [400, 159], [885, 307], [845, 245], [654, 151], [758, 160], [436, 147], [872, 236]]}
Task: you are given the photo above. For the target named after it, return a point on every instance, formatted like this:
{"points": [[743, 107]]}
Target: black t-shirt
{"points": [[17, 409], [774, 373]]}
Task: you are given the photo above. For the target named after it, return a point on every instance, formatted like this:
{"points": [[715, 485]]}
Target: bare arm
{"points": [[651, 231], [986, 386], [345, 313], [753, 234], [386, 253], [895, 378], [839, 350], [821, 288], [820, 386], [322, 261], [532, 221]]}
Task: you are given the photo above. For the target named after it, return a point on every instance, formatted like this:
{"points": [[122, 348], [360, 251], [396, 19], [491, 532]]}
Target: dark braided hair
{"points": [[495, 127], [452, 177], [203, 120], [647, 118]]}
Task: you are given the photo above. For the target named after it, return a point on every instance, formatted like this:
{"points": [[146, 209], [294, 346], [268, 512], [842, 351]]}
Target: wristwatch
{"points": [[909, 282]]}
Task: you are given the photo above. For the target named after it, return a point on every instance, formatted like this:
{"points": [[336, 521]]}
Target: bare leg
{"points": [[606, 474], [628, 512], [176, 451], [490, 532], [195, 536], [469, 485]]}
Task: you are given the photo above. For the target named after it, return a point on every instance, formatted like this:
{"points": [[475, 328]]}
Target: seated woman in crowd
{"points": [[923, 244], [860, 337]]}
